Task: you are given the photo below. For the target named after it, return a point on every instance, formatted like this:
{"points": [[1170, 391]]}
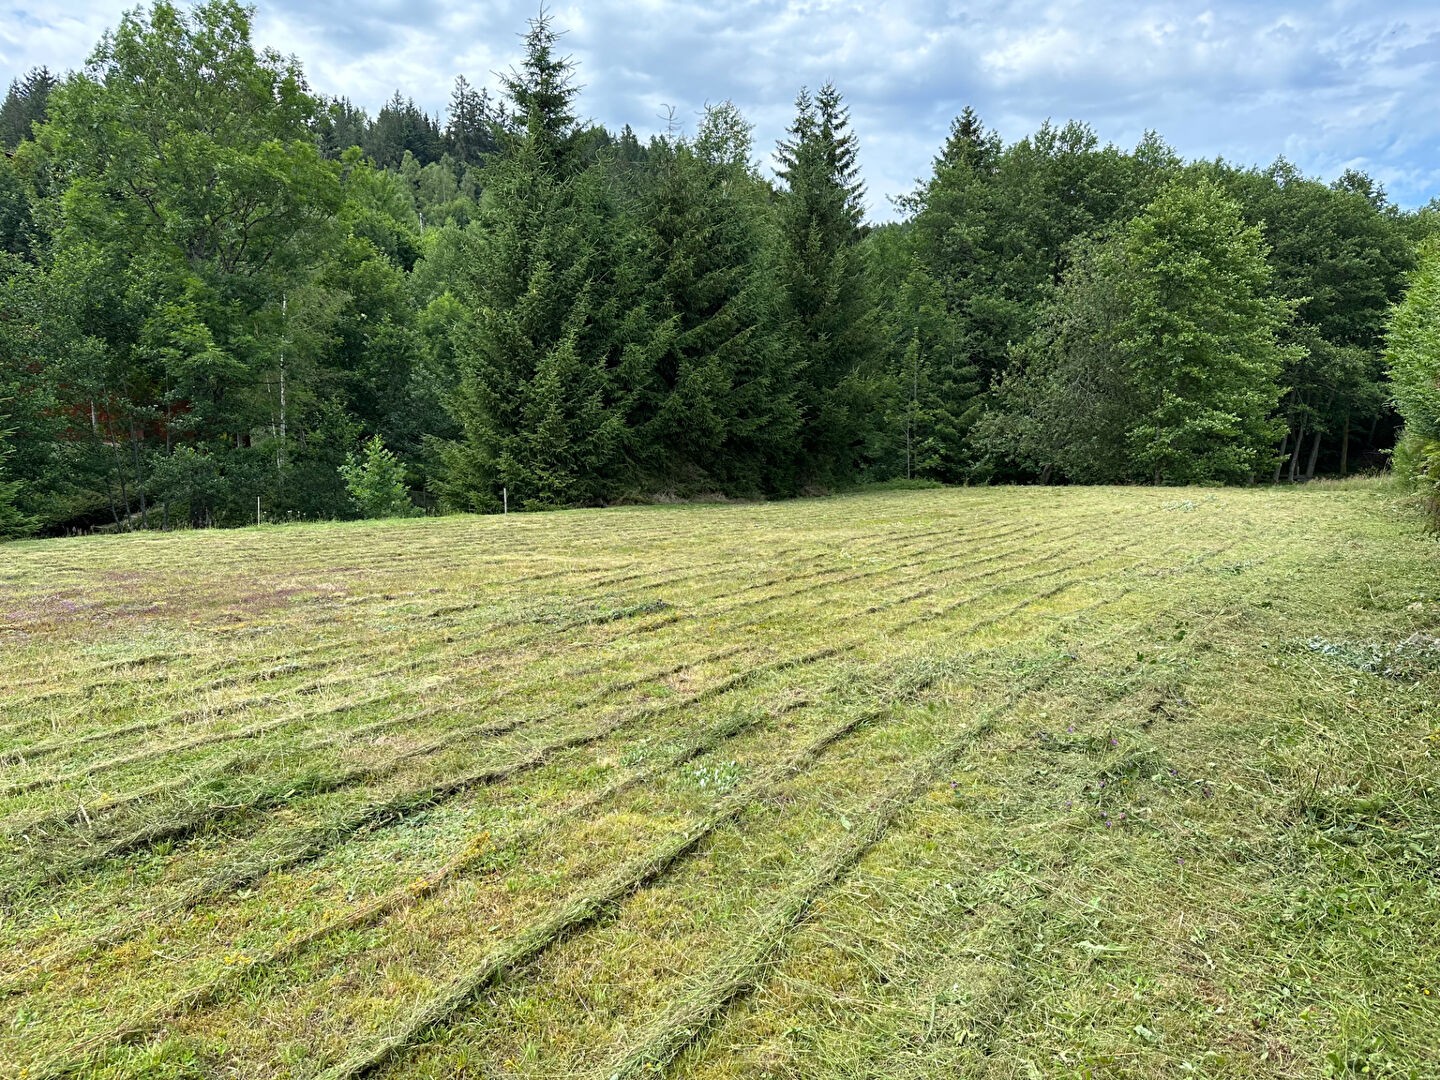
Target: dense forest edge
{"points": [[225, 298]]}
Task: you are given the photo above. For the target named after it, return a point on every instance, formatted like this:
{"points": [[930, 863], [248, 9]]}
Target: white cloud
{"points": [[1333, 85]]}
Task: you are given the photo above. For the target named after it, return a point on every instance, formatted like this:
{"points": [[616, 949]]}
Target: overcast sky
{"points": [[1330, 85]]}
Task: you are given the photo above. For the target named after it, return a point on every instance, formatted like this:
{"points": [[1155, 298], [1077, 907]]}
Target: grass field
{"points": [[980, 783]]}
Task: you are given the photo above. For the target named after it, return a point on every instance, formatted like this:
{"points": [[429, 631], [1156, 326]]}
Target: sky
{"points": [[1329, 85]]}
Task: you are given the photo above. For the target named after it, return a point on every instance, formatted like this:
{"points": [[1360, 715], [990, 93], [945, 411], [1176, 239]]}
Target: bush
{"points": [[376, 483], [1413, 356]]}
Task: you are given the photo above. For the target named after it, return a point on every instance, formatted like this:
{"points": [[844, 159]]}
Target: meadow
{"points": [[1016, 782]]}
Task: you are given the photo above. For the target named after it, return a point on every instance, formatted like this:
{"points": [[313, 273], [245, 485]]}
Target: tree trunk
{"points": [[1345, 448], [1280, 461], [1295, 457], [1314, 453]]}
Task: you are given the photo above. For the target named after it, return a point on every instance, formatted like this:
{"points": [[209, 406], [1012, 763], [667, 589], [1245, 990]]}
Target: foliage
{"points": [[934, 389], [12, 522], [26, 104], [376, 482], [822, 282], [1157, 359], [556, 335], [1413, 356], [214, 280], [719, 412], [1339, 253]]}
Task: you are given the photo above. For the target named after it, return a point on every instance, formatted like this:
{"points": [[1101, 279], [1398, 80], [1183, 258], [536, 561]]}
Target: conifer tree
{"points": [[470, 135], [934, 392], [556, 336], [823, 283], [26, 104], [721, 410]]}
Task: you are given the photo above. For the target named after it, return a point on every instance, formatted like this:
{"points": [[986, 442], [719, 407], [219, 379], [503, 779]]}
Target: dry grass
{"points": [[994, 783]]}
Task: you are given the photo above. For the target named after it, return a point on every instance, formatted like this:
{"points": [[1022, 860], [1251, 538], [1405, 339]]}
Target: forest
{"points": [[225, 297]]}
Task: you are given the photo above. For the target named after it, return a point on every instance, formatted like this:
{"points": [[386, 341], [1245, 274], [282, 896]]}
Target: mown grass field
{"points": [[981, 783]]}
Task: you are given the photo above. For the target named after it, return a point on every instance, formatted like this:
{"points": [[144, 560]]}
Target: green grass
{"points": [[912, 783]]}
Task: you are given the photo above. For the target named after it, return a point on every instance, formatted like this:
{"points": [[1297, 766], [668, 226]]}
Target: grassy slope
{"points": [[984, 783]]}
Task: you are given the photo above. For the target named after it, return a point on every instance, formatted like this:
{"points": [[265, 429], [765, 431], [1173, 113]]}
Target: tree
{"points": [[43, 354], [470, 134], [1339, 254], [402, 127], [996, 225], [1201, 337], [1158, 359], [26, 104], [195, 202], [376, 482], [823, 284], [934, 391], [542, 93], [340, 125], [13, 524], [1413, 357], [556, 335], [719, 411]]}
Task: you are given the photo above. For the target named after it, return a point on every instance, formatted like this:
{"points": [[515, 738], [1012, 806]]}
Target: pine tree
{"points": [[823, 283]]}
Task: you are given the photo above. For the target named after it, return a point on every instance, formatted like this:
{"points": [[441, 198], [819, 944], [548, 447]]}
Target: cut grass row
{"points": [[287, 788], [816, 932]]}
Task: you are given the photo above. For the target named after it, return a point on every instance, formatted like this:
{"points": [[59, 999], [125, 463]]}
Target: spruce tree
{"points": [[26, 104], [721, 411], [555, 337], [470, 136], [823, 284], [934, 391]]}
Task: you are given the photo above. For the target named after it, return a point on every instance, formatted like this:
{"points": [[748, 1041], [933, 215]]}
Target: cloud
{"points": [[1333, 84]]}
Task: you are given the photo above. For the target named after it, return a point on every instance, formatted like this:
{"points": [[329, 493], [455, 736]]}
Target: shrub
{"points": [[376, 483]]}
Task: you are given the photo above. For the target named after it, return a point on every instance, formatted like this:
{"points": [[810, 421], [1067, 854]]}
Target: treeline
{"points": [[220, 291]]}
